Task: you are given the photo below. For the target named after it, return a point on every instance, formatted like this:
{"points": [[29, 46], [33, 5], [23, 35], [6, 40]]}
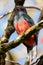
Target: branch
{"points": [[1, 16], [41, 15], [9, 29], [39, 61], [34, 7], [34, 29]]}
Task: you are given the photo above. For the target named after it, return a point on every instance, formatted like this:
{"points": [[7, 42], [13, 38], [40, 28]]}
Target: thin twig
{"points": [[1, 16]]}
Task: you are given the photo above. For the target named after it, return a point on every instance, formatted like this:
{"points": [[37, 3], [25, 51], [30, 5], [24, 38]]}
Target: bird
{"points": [[22, 22]]}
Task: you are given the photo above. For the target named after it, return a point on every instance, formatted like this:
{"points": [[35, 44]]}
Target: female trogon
{"points": [[22, 22]]}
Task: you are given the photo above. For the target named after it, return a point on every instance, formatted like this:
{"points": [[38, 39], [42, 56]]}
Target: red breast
{"points": [[20, 27]]}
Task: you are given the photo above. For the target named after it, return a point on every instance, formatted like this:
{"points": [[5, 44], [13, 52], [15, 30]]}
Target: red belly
{"points": [[20, 27]]}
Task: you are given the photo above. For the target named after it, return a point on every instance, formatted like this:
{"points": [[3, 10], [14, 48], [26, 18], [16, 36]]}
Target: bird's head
{"points": [[19, 2]]}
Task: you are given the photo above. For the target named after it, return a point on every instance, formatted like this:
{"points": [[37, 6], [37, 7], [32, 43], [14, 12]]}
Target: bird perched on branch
{"points": [[22, 22]]}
